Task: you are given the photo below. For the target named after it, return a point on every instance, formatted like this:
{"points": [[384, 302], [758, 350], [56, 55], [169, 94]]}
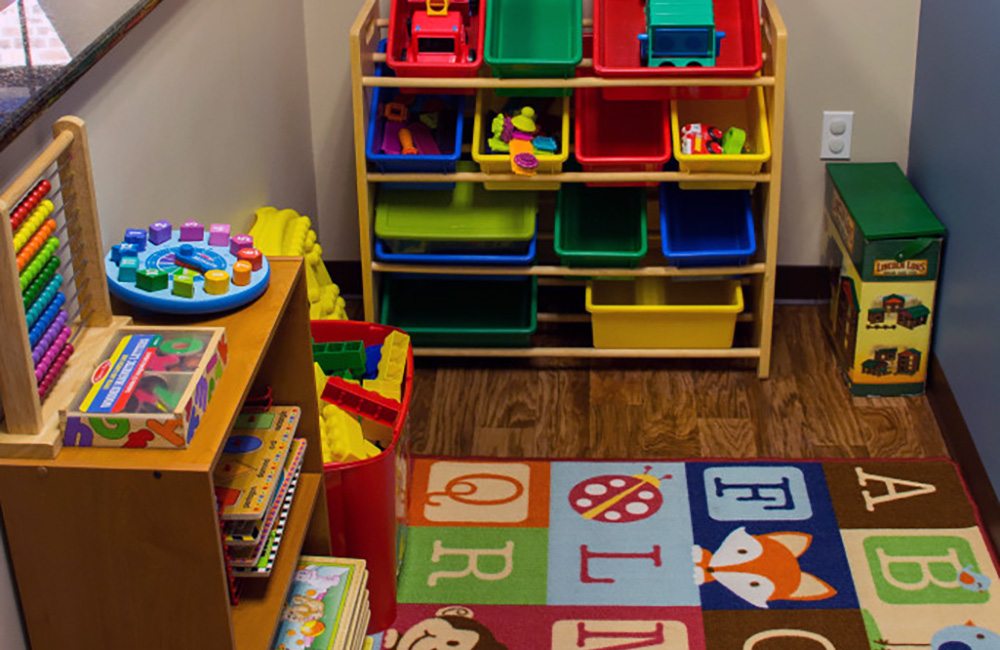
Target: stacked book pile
{"points": [[327, 606], [255, 481]]}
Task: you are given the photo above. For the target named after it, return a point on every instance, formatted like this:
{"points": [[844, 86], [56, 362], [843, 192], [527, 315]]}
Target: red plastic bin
{"points": [[367, 500], [621, 136], [400, 20], [618, 23]]}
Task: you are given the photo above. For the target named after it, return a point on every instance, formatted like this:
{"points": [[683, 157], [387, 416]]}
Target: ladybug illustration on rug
{"points": [[618, 499]]}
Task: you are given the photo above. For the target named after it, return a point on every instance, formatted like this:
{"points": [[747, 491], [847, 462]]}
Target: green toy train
{"points": [[680, 33]]}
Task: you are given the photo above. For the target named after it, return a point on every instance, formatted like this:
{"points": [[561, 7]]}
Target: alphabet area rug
{"points": [[846, 555]]}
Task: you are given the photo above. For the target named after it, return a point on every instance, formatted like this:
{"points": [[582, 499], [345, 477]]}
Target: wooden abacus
{"points": [[49, 340]]}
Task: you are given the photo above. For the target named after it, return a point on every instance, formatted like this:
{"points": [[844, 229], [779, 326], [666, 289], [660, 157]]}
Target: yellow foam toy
{"points": [[286, 232], [340, 432], [391, 367]]}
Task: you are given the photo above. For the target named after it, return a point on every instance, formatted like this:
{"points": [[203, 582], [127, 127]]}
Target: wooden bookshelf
{"points": [[120, 548]]}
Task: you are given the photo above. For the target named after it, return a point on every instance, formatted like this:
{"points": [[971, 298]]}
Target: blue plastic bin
{"points": [[449, 138], [706, 228], [513, 258]]}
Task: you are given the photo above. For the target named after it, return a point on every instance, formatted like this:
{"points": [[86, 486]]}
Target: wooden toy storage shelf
{"points": [[121, 548], [758, 275]]}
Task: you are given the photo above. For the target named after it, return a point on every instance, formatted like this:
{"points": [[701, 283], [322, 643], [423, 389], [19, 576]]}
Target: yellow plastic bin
{"points": [[663, 313], [553, 111], [749, 114]]}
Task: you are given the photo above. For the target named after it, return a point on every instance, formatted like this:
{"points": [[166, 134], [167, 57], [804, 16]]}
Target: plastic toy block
{"points": [[136, 237], [218, 234], [253, 256], [342, 437], [373, 354], [192, 231], [341, 355], [116, 254], [395, 349], [160, 232], [216, 282], [128, 250], [239, 242], [386, 388], [241, 273], [363, 403], [152, 280], [183, 286], [127, 269]]}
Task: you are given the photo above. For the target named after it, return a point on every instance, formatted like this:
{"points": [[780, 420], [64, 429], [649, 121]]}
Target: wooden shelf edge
{"points": [[255, 618], [573, 82], [569, 177], [561, 271], [591, 353]]}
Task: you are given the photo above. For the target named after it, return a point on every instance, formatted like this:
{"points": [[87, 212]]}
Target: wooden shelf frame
{"points": [[133, 534], [368, 29]]}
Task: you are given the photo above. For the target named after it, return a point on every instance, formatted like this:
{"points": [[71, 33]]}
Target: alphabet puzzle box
{"points": [[642, 555]]}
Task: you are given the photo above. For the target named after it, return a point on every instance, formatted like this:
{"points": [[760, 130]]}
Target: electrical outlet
{"points": [[836, 141]]}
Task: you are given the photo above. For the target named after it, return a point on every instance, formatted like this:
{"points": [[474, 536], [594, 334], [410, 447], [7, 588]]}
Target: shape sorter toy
{"points": [[187, 270], [150, 389], [885, 263]]}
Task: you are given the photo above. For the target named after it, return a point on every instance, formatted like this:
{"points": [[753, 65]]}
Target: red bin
{"points": [[367, 500]]}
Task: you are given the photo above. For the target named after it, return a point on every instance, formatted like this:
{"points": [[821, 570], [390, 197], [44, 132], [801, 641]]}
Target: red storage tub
{"points": [[618, 23], [621, 136], [433, 60], [367, 500]]}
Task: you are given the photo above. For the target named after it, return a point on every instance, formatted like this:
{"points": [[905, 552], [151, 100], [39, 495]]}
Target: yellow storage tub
{"points": [[749, 114], [548, 163], [662, 313]]}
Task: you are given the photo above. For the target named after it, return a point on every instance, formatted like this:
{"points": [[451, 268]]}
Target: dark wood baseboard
{"points": [[963, 449], [793, 283]]}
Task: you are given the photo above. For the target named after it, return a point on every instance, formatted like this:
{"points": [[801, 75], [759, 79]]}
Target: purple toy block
{"points": [[136, 237], [218, 234], [192, 231], [160, 232], [239, 242]]}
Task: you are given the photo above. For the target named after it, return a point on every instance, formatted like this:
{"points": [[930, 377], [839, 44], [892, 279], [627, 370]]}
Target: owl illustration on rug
{"points": [[957, 637], [761, 569]]}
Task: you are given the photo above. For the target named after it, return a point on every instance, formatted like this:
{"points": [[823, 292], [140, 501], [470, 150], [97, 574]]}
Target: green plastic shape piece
{"points": [[337, 356], [183, 286], [151, 279]]}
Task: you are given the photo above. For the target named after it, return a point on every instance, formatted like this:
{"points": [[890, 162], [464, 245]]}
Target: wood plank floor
{"points": [[666, 409]]}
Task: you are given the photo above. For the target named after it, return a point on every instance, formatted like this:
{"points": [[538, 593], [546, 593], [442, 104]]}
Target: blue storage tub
{"points": [[494, 257], [706, 228], [448, 137]]}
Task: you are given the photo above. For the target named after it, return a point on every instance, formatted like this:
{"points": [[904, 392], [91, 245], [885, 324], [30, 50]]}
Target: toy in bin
{"points": [[411, 125], [516, 131], [680, 33], [700, 138], [187, 270], [437, 33], [150, 390]]}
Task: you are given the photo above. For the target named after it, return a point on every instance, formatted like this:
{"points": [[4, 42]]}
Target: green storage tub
{"points": [[601, 226], [467, 218], [454, 311], [534, 38]]}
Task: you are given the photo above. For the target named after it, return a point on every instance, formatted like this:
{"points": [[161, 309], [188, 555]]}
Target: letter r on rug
{"points": [[472, 556]]}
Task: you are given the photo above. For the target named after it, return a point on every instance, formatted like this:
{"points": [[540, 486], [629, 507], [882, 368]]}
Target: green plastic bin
{"points": [[600, 226], [468, 218], [534, 38], [455, 311]]}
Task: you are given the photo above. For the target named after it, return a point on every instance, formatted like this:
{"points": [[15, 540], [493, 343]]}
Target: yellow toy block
{"points": [[392, 365], [343, 439], [385, 388]]}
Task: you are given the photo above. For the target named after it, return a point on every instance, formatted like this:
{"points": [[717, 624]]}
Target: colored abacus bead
{"points": [[239, 242], [241, 273], [192, 231], [216, 282], [218, 234], [253, 256], [160, 232]]}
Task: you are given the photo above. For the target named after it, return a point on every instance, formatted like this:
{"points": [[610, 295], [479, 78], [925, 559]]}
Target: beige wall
{"points": [[201, 112], [843, 55], [853, 55]]}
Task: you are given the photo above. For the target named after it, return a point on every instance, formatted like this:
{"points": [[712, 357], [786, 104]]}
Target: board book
{"points": [[326, 605], [257, 562], [250, 532], [249, 471]]}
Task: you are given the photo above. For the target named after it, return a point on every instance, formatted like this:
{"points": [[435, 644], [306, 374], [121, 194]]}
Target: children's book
{"points": [[257, 562], [251, 532], [326, 603], [249, 470]]}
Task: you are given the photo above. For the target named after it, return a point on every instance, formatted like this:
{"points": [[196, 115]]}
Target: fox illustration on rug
{"points": [[761, 569]]}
